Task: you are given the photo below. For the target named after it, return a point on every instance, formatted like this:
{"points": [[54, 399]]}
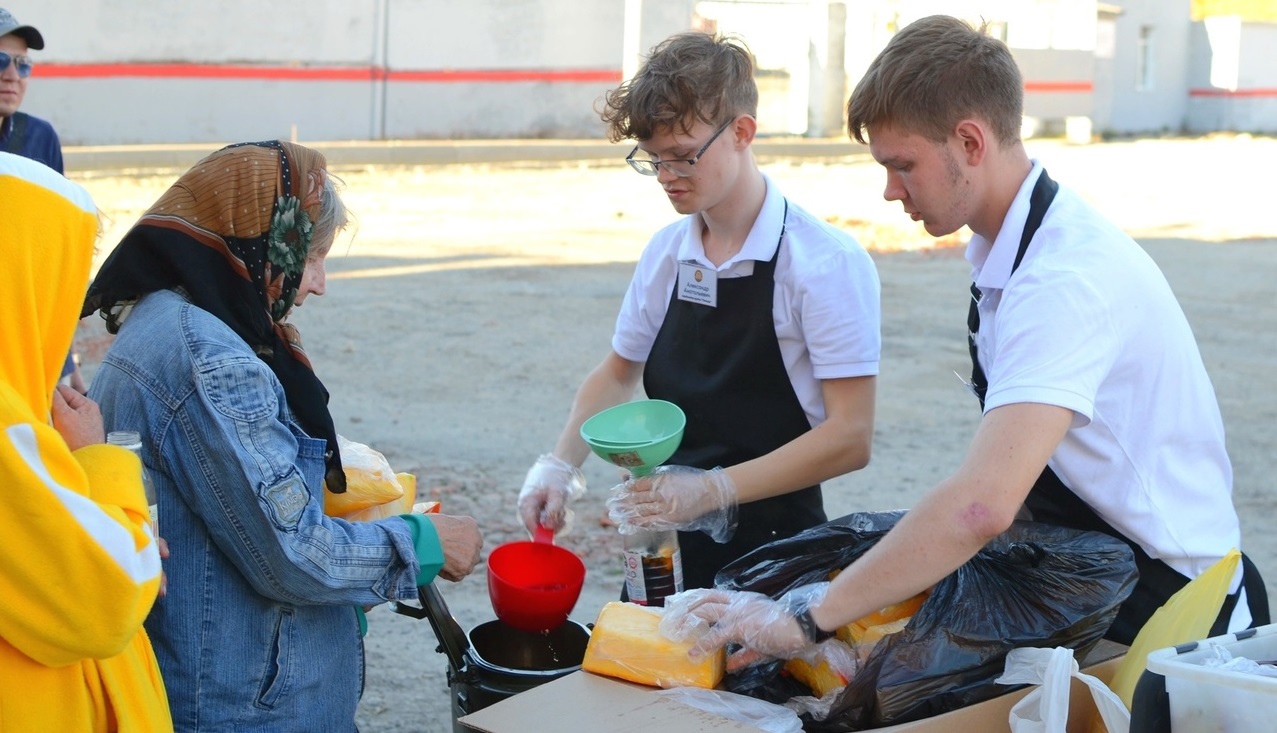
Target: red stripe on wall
{"points": [[1068, 87], [1232, 93], [319, 73], [461, 75]]}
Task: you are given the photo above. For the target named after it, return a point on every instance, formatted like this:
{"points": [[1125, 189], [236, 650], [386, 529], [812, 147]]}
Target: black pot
{"points": [[504, 661], [495, 661]]}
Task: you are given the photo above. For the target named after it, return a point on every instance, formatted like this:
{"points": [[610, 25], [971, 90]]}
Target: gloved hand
{"points": [[676, 497], [548, 487], [767, 628]]}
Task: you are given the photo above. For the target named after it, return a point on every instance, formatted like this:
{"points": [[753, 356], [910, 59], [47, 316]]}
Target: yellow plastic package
{"points": [[373, 490]]}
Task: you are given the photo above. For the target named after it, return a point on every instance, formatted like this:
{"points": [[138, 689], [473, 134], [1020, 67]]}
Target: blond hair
{"points": [[934, 73]]}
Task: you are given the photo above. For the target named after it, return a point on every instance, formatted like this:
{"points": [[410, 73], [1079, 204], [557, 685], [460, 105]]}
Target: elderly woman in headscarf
{"points": [[260, 628], [81, 567]]}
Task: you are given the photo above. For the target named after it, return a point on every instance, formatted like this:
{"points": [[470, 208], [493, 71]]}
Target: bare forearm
{"points": [[820, 454], [928, 544], [838, 445], [956, 519], [610, 383]]}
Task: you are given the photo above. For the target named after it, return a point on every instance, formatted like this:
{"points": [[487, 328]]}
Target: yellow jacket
{"points": [[80, 569]]}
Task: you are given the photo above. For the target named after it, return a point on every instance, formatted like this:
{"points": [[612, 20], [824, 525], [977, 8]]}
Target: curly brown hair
{"points": [[935, 72], [687, 77]]}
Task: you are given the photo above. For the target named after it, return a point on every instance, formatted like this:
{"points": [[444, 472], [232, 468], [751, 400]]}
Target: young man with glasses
{"points": [[21, 133], [757, 318]]}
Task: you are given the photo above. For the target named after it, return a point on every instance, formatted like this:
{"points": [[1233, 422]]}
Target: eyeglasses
{"points": [[681, 167], [23, 63]]}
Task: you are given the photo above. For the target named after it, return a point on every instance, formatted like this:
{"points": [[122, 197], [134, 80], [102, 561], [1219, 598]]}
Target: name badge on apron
{"points": [[697, 284]]}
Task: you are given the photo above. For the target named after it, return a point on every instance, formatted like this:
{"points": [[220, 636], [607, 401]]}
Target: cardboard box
{"points": [[586, 703]]}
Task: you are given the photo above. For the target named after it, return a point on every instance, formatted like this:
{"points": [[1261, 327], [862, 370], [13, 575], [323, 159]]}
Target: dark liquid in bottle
{"points": [[658, 578]]}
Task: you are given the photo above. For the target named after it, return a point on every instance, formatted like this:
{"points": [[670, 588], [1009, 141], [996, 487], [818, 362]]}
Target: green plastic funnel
{"points": [[638, 435]]}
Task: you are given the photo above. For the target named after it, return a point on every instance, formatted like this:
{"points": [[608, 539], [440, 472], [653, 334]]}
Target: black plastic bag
{"points": [[1034, 585]]}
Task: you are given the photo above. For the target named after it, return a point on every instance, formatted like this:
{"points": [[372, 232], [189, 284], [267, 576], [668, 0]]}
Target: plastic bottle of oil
{"points": [[653, 566], [132, 440]]}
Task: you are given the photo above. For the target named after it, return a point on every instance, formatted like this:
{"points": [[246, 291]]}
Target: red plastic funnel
{"points": [[534, 585]]}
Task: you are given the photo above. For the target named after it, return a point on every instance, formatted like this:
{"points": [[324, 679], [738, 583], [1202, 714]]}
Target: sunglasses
{"points": [[23, 64]]}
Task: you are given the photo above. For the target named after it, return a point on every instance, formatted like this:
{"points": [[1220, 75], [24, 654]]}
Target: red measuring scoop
{"points": [[534, 585]]}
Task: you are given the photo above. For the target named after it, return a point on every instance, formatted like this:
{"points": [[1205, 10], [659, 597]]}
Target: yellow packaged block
{"points": [[830, 667], [822, 678], [854, 633], [626, 643], [369, 481]]}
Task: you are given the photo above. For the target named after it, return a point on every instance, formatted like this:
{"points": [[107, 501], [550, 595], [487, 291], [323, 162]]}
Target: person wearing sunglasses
{"points": [[758, 319], [21, 133]]}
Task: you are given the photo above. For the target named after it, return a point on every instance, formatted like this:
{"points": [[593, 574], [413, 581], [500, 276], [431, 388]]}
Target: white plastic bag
{"points": [[1046, 709], [751, 711]]}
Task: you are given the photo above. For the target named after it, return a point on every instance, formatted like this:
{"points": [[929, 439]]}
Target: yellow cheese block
{"points": [[626, 643], [854, 632], [821, 678], [874, 634]]}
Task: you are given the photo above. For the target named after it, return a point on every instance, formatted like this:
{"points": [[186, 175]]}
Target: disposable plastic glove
{"points": [[676, 497], [765, 627], [549, 486]]}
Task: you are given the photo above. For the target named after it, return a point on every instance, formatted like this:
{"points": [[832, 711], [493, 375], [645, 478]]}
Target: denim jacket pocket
{"points": [[310, 457], [277, 675]]}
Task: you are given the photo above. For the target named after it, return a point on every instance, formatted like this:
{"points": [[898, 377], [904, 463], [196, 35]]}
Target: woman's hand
{"points": [[461, 542], [76, 418]]}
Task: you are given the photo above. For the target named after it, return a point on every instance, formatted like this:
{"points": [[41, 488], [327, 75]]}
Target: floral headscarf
{"points": [[234, 233]]}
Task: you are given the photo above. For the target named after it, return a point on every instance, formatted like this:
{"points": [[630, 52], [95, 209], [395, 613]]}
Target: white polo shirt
{"points": [[827, 308], [1089, 323]]}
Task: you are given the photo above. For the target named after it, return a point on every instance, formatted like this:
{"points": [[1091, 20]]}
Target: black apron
{"points": [[1051, 502], [724, 368]]}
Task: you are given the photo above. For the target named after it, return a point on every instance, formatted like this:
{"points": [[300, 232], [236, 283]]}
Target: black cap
{"points": [[10, 24]]}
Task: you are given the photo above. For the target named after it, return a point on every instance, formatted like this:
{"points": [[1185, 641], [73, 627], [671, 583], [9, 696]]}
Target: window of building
{"points": [[1144, 70]]}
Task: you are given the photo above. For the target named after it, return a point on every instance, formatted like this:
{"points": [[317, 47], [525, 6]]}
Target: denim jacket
{"points": [[258, 631]]}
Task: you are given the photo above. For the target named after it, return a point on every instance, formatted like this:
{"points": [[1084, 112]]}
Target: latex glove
{"points": [[549, 486], [676, 497], [766, 628]]}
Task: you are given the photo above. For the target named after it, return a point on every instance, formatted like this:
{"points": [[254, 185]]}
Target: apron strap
{"points": [[1039, 201]]}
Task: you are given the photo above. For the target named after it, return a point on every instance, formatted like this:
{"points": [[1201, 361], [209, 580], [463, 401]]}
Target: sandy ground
{"points": [[473, 299]]}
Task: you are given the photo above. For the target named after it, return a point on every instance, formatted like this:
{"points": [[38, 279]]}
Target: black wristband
{"points": [[814, 633]]}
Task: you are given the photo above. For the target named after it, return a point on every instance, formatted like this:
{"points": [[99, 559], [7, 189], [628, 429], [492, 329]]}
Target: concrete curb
{"points": [[347, 154]]}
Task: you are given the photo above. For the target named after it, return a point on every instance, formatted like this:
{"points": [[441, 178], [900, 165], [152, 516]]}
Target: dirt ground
{"points": [[472, 300]]}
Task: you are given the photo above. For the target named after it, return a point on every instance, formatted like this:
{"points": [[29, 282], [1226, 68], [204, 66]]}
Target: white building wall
{"points": [[550, 36], [1155, 100], [1233, 83], [150, 71], [156, 71]]}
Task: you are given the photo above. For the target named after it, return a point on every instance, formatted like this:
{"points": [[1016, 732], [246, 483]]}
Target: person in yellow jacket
{"points": [[81, 568]]}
